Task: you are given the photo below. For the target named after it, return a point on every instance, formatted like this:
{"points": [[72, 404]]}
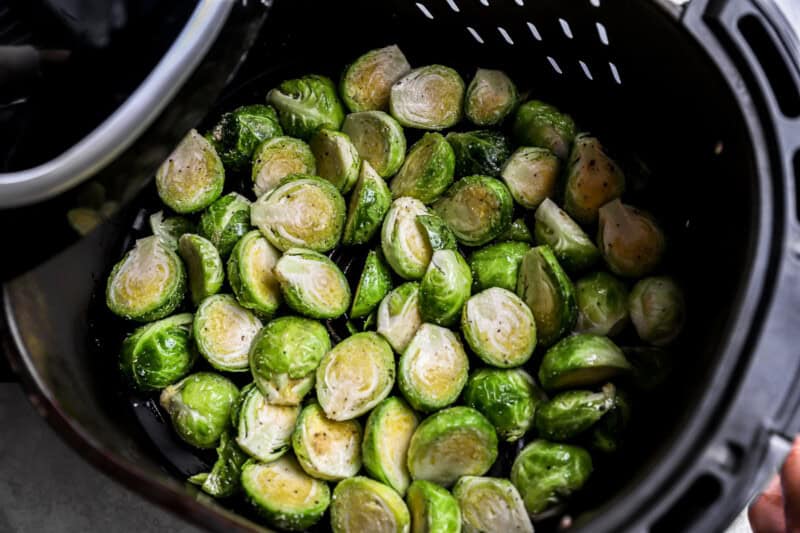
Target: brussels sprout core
{"points": [[327, 449], [491, 504], [361, 504], [477, 209], [389, 429], [581, 360], [378, 138], [276, 158], [366, 83], [223, 331], [399, 316], [490, 97], [368, 205], [428, 98], [631, 242], [427, 171], [265, 430], [307, 104], [250, 273], [192, 176], [312, 284], [657, 310], [404, 240]]}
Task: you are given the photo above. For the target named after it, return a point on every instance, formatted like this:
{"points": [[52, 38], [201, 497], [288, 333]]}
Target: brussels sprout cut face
{"points": [[428, 98], [265, 430], [444, 288], [631, 242], [223, 331], [602, 304], [312, 284], [490, 97], [581, 360], [531, 175], [170, 229], [477, 209], [276, 158], [250, 273], [542, 125], [224, 480], [593, 179], [375, 282], [307, 104], [404, 240], [368, 205], [571, 413], [399, 316], [192, 176], [385, 451], [378, 138], [237, 134], [571, 246], [361, 504], [204, 265], [366, 83], [327, 449], [226, 221], [427, 171], [491, 504], [497, 265], [432, 508], [658, 310], [355, 376], [337, 158], [479, 152]]}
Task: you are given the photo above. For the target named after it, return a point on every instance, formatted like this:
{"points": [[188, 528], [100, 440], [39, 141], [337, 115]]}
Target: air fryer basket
{"points": [[703, 101]]}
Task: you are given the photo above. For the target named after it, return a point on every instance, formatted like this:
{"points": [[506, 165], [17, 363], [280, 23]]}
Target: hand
{"points": [[777, 509]]}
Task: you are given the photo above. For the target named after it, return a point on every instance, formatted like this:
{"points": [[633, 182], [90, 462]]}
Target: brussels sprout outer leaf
{"points": [[306, 104], [224, 480], [265, 430], [399, 316], [427, 171], [581, 360], [593, 180], [542, 125], [445, 288], [192, 176], [490, 97], [276, 158], [367, 82], [312, 284], [479, 152], [571, 246], [238, 133], [404, 240], [439, 235], [570, 413], [386, 437], [433, 509], [375, 282], [204, 266], [491, 504], [327, 449], [368, 206], [477, 209], [497, 265], [361, 504], [428, 98], [225, 221]]}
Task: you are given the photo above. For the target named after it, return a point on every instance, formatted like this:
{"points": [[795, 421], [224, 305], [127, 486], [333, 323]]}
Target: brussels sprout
{"points": [[657, 309], [361, 504], [499, 328], [265, 430], [367, 82], [651, 366], [602, 304], [399, 316], [531, 175], [159, 353], [192, 176], [327, 449], [250, 273], [581, 360], [170, 229], [428, 98], [284, 356], [337, 158], [608, 433], [355, 376], [593, 179], [539, 124], [203, 264], [508, 398], [284, 495], [571, 413], [444, 288], [312, 284], [369, 203], [427, 171], [387, 435], [491, 97], [433, 369], [491, 504], [439, 235], [571, 246], [223, 331], [497, 265], [547, 290], [225, 221], [276, 158], [378, 138], [375, 282], [306, 104], [479, 152], [148, 283], [477, 209], [200, 407], [517, 232], [236, 408], [631, 242], [404, 240], [303, 211], [238, 133], [224, 478], [432, 508], [546, 473]]}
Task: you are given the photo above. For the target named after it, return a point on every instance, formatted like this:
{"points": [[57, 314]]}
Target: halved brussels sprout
{"points": [[531, 175], [374, 283], [433, 369], [427, 171], [545, 287], [337, 158], [570, 413], [225, 221], [303, 211], [223, 331], [428, 98], [445, 288], [307, 104], [203, 264], [454, 442], [602, 304], [378, 138], [432, 508], [477, 209], [250, 273], [200, 406], [369, 203], [497, 265], [284, 356], [225, 477], [479, 152], [276, 158], [265, 430], [399, 316], [285, 495], [148, 283], [312, 284], [170, 229], [593, 179], [192, 176], [361, 504], [439, 235], [491, 97], [237, 133], [657, 309], [651, 366], [159, 353], [327, 449], [517, 232], [404, 240], [367, 82], [608, 433], [499, 328], [630, 240], [539, 124], [581, 360], [546, 473], [387, 435], [574, 249], [491, 504], [355, 376]]}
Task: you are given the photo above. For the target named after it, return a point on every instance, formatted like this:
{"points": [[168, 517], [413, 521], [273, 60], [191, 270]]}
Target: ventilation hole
{"points": [[615, 73], [520, 3], [797, 184], [773, 65], [453, 5], [475, 34], [425, 10], [586, 71], [687, 509], [595, 3], [505, 35], [602, 33], [554, 64], [565, 28], [534, 31]]}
